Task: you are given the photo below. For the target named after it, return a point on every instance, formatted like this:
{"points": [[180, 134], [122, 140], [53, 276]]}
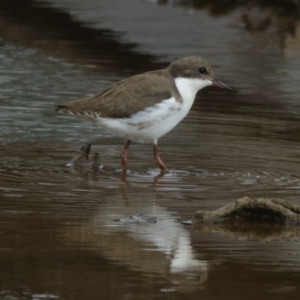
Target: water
{"points": [[61, 234]]}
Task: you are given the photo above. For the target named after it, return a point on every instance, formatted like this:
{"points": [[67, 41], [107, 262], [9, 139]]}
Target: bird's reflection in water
{"points": [[162, 247]]}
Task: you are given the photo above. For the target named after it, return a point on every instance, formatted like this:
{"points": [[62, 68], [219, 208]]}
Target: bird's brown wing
{"points": [[125, 97]]}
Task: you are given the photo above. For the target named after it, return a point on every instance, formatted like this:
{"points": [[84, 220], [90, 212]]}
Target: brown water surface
{"points": [[60, 231]]}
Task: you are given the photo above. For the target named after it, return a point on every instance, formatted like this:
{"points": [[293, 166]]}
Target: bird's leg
{"points": [[124, 155], [158, 160]]}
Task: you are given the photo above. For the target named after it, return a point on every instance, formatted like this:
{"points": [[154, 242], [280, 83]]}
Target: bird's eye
{"points": [[202, 70]]}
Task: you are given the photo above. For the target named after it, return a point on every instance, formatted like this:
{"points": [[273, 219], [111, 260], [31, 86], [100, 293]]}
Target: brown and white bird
{"points": [[144, 107]]}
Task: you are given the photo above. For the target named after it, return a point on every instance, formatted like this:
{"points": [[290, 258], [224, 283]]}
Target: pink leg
{"points": [[124, 155], [158, 160]]}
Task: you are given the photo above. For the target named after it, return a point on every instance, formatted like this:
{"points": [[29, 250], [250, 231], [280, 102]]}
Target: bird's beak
{"points": [[221, 85]]}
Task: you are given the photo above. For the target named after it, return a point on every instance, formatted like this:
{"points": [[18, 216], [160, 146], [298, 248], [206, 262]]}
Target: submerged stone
{"points": [[139, 218]]}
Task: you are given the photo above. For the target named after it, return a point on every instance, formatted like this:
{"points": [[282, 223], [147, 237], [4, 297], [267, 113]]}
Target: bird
{"points": [[144, 107]]}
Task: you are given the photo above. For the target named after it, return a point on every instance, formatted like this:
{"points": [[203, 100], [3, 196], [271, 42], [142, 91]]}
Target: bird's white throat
{"points": [[188, 87]]}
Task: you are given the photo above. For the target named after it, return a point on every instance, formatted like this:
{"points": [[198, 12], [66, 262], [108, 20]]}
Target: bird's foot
{"points": [[161, 165]]}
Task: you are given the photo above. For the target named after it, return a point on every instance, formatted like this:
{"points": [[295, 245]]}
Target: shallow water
{"points": [[61, 234]]}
